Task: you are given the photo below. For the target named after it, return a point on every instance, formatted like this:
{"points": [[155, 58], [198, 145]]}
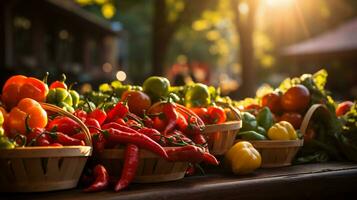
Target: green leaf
{"points": [[320, 79]]}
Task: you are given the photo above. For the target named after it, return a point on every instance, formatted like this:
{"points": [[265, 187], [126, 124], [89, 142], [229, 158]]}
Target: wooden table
{"points": [[331, 180]]}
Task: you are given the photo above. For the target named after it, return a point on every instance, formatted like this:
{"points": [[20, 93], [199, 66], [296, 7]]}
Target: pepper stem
{"points": [[88, 103], [71, 85], [45, 78], [27, 126], [22, 138], [63, 79]]}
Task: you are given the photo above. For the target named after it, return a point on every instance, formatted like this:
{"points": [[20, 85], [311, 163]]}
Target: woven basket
{"points": [[280, 153], [221, 137], [39, 169], [277, 153], [151, 169]]}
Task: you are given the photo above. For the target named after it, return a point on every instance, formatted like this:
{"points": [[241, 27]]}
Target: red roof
{"points": [[341, 39]]}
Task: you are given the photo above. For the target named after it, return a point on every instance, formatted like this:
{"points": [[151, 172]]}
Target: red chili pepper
{"points": [[120, 110], [182, 123], [148, 121], [183, 137], [118, 126], [209, 159], [56, 145], [59, 84], [99, 115], [79, 136], [192, 154], [169, 110], [81, 114], [153, 134], [93, 125], [130, 166], [65, 125], [189, 114], [58, 137], [37, 137], [101, 179], [139, 139], [99, 142], [189, 153], [133, 124], [199, 139], [121, 121], [193, 128]]}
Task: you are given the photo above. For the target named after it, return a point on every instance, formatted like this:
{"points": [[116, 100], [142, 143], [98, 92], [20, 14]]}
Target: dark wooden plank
{"points": [[296, 182]]}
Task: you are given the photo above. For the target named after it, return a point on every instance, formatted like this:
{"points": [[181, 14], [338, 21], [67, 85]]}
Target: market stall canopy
{"points": [[76, 13], [340, 41]]}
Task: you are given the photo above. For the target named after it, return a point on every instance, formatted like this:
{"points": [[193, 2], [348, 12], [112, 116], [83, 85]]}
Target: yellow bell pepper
{"points": [[243, 158], [282, 131]]}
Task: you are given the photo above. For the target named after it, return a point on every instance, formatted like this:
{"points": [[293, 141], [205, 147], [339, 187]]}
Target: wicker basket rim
{"points": [[277, 143], [39, 152], [226, 126]]}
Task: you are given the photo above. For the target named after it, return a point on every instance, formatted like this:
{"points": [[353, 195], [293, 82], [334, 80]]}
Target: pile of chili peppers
{"points": [[166, 124]]}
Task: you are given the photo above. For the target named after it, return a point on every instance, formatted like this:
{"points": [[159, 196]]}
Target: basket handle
{"points": [[53, 108], [235, 110], [307, 118]]}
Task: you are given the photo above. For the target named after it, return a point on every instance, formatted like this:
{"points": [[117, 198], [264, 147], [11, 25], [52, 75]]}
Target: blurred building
{"points": [[335, 50], [56, 36]]}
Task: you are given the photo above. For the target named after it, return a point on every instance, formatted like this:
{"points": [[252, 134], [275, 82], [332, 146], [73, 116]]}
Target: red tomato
{"points": [[295, 119], [138, 102], [343, 108], [273, 102], [296, 99]]}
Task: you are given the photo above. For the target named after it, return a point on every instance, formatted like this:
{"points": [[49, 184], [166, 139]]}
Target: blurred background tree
{"points": [[239, 40]]}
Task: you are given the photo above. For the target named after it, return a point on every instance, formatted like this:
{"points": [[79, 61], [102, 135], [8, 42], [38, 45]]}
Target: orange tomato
{"points": [[27, 108], [19, 87]]}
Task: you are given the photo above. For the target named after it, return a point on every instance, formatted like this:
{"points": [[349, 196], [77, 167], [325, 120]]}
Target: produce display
{"points": [[270, 115], [169, 122]]}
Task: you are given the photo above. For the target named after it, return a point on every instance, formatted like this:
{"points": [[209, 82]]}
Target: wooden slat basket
{"points": [[280, 153], [39, 169], [151, 169], [221, 137]]}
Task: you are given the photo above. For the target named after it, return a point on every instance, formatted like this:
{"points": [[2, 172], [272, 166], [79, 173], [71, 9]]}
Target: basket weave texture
{"points": [[39, 169]]}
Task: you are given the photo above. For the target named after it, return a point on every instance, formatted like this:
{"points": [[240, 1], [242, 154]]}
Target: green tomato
{"points": [[197, 95], [156, 87], [5, 143]]}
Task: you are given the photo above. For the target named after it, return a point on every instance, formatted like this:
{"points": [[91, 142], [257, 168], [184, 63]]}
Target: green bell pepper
{"points": [[261, 131], [251, 135], [75, 98], [265, 118], [249, 123], [59, 95]]}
